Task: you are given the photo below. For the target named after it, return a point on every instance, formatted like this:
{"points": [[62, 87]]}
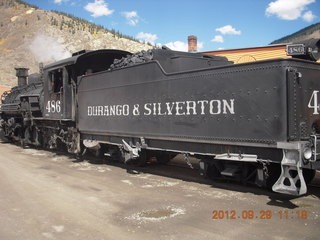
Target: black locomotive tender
{"points": [[243, 121]]}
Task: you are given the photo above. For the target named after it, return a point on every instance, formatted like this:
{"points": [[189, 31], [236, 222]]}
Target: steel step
{"points": [[230, 171]]}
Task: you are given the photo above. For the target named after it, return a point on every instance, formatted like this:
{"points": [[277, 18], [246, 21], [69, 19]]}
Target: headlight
{"points": [[307, 153]]}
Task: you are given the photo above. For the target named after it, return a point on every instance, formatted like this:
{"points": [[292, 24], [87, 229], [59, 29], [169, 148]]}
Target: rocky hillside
{"points": [[312, 31], [29, 35]]}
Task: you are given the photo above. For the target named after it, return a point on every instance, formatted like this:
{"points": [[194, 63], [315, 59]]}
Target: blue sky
{"points": [[218, 24]]}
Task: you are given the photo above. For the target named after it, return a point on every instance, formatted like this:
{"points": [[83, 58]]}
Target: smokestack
{"points": [[192, 44], [22, 74]]}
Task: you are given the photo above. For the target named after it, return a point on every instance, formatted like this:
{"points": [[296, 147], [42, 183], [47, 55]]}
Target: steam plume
{"points": [[47, 49]]}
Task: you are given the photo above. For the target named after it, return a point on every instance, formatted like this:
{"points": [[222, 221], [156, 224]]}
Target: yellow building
{"points": [[242, 55]]}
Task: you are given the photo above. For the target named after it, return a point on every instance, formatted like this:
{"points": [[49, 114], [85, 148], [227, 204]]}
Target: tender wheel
{"points": [[142, 159], [308, 175], [274, 171], [162, 157], [213, 171]]}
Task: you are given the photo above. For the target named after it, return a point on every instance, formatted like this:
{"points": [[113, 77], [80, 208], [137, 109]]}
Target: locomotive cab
{"points": [[57, 94], [60, 80]]}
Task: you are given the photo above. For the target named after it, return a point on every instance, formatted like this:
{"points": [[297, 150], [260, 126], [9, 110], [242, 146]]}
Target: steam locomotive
{"points": [[255, 122]]}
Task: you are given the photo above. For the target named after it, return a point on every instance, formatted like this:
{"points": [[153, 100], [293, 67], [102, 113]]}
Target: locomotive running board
{"points": [[291, 180]]}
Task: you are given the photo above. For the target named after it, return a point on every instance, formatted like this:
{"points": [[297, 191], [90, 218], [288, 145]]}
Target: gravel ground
{"points": [[46, 195]]}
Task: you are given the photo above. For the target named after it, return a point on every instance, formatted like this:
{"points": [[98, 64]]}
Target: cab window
{"points": [[55, 80]]}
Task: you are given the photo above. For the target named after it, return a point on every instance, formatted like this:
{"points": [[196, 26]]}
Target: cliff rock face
{"points": [[29, 36]]}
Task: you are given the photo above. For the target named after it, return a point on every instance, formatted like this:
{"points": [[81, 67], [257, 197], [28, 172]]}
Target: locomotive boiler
{"points": [[255, 122]]}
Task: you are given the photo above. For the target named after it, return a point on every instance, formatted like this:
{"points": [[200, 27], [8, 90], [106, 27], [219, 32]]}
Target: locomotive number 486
{"points": [[53, 106]]}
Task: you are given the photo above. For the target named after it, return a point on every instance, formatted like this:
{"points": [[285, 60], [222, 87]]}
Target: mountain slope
{"points": [[313, 31], [29, 36]]}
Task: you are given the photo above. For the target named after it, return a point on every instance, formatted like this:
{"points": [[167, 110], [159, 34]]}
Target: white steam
{"points": [[47, 49]]}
